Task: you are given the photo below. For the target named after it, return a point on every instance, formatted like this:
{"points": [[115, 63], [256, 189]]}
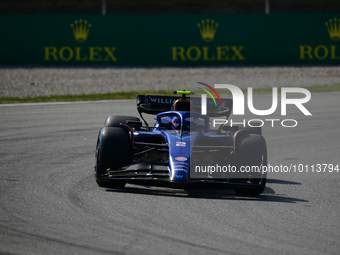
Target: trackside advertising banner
{"points": [[170, 40]]}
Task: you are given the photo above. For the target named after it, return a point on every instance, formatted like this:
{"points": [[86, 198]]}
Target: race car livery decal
{"points": [[181, 167], [181, 144], [181, 159]]}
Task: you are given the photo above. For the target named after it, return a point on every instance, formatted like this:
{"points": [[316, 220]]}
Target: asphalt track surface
{"points": [[50, 203]]}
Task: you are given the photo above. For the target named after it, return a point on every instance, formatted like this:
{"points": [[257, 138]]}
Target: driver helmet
{"points": [[176, 123]]}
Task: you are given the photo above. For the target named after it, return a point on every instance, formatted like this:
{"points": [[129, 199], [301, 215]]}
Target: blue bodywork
{"points": [[162, 154], [179, 140], [179, 143]]}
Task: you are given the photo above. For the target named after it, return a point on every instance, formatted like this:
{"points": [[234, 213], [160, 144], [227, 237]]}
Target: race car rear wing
{"points": [[156, 104]]}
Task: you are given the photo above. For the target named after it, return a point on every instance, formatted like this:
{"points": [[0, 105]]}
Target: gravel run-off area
{"points": [[32, 81]]}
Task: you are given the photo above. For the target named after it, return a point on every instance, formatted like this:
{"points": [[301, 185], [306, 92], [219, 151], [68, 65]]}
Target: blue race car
{"points": [[180, 150]]}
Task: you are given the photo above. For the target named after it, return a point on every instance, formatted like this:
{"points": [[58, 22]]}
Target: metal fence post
{"points": [[103, 7], [267, 7]]}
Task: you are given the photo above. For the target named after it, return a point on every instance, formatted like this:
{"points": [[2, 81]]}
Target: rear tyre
{"points": [[251, 150], [113, 152], [114, 121], [254, 130]]}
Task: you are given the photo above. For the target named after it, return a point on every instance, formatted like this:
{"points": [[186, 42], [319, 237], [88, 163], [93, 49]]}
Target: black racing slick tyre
{"points": [[114, 121], [255, 129], [251, 151], [113, 151]]}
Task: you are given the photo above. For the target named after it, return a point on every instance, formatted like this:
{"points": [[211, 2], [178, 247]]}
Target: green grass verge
{"points": [[84, 97], [133, 95], [312, 89]]}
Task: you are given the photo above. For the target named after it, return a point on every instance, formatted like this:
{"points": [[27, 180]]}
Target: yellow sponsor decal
{"points": [[333, 29], [80, 54], [207, 29], [80, 29], [206, 53], [321, 52]]}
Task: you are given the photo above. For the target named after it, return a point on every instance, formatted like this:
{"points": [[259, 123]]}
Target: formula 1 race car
{"points": [[180, 150]]}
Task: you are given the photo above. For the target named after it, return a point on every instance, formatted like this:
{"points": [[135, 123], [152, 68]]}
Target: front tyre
{"points": [[113, 152], [251, 150]]}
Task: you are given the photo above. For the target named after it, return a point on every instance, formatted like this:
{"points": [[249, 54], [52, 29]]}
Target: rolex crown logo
{"points": [[207, 29], [80, 30], [334, 29]]}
